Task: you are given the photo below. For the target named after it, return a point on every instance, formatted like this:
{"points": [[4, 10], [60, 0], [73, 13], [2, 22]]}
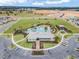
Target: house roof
{"points": [[43, 36]]}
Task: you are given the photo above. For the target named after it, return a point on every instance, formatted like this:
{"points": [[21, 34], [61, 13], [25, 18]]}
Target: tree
{"points": [[57, 39]]}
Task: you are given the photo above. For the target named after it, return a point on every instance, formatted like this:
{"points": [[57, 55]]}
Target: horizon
{"points": [[40, 7]]}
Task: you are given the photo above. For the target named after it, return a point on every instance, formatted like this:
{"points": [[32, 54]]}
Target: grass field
{"points": [[25, 23], [18, 37], [48, 44], [25, 44]]}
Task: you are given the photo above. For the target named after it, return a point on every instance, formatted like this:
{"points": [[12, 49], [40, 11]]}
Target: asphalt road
{"points": [[60, 52], [6, 26]]}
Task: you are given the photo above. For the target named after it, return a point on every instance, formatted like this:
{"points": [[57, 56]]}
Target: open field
{"points": [[66, 12], [25, 23], [28, 13], [18, 13]]}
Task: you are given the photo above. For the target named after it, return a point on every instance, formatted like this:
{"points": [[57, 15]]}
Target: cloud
{"points": [[33, 2], [56, 2], [38, 3], [11, 2], [50, 2]]}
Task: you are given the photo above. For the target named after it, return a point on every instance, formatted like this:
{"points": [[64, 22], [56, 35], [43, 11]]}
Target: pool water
{"points": [[39, 29]]}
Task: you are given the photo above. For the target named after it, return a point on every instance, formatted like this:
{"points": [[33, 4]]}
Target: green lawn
{"points": [[71, 57], [22, 43], [78, 39], [25, 23], [68, 35], [25, 44], [18, 37], [49, 45]]}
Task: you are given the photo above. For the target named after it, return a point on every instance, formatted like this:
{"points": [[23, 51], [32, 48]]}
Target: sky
{"points": [[40, 3]]}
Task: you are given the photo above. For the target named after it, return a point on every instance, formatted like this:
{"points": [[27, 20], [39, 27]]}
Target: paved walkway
{"points": [[37, 45]]}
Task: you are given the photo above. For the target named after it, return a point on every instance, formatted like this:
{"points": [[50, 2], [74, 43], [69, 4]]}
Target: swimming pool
{"points": [[39, 29]]}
